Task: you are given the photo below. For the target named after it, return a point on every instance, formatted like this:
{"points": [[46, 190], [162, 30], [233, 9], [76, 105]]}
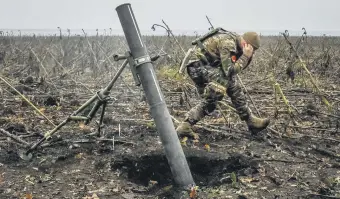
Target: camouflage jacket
{"points": [[224, 47]]}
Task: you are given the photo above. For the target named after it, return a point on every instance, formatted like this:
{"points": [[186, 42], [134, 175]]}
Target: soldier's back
{"points": [[221, 41]]}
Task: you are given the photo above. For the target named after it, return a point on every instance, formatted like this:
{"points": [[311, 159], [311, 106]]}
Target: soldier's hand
{"points": [[248, 50]]}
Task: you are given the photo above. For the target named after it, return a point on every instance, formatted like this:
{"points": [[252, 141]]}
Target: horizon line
{"points": [[93, 31]]}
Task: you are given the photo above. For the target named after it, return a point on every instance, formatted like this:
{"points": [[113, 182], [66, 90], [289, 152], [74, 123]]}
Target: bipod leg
{"points": [[27, 155], [93, 112], [102, 100], [96, 107], [99, 103], [103, 95], [101, 119]]}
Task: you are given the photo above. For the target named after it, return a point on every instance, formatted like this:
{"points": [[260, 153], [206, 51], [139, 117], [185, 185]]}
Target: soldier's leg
{"points": [[212, 94], [239, 100], [197, 74]]}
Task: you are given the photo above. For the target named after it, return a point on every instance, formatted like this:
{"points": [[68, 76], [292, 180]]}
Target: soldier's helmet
{"points": [[252, 38]]}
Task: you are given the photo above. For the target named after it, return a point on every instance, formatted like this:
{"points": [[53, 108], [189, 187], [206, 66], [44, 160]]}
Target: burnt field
{"points": [[299, 157]]}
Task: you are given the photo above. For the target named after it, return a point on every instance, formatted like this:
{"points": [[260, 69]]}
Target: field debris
{"points": [[44, 79]]}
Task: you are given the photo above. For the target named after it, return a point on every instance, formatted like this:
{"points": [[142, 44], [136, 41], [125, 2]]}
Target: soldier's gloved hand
{"points": [[248, 50]]}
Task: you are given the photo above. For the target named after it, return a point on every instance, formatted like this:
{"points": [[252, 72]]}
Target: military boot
{"points": [[195, 114], [185, 129], [191, 118], [255, 124]]}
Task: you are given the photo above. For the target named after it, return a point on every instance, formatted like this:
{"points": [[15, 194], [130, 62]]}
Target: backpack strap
{"points": [[208, 35], [199, 42]]}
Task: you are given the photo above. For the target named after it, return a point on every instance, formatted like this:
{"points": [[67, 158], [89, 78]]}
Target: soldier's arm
{"points": [[226, 47]]}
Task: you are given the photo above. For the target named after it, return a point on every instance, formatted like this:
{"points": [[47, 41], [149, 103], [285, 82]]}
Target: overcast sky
{"points": [[180, 15]]}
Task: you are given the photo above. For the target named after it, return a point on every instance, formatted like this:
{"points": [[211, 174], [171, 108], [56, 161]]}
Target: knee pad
{"points": [[214, 91]]}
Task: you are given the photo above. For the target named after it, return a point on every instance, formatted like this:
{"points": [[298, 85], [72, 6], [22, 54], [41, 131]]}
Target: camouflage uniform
{"points": [[213, 82]]}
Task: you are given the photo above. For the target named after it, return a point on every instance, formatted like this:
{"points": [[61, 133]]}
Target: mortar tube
{"points": [[159, 111]]}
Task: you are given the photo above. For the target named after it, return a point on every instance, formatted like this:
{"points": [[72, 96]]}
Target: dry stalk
{"points": [[320, 93], [29, 102], [14, 137], [42, 66], [69, 77]]}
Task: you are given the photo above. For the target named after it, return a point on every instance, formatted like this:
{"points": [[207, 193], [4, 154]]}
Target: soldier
{"points": [[220, 57]]}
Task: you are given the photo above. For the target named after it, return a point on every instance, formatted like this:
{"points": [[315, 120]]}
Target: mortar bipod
{"points": [[101, 98]]}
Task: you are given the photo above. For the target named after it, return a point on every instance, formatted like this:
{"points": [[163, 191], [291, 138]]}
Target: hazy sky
{"points": [[258, 15]]}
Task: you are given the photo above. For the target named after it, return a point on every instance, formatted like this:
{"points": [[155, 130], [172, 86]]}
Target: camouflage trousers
{"points": [[212, 85]]}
